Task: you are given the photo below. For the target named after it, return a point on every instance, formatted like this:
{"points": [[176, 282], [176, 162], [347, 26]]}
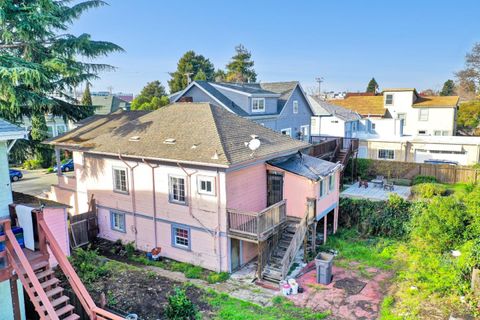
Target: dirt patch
{"points": [[350, 285]]}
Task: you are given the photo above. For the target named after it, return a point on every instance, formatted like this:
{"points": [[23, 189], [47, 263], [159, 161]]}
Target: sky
{"points": [[401, 43]]}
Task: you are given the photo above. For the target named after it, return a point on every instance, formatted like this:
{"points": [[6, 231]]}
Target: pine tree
{"points": [[41, 62], [240, 69], [152, 97], [87, 97], [200, 76], [189, 65], [372, 86], [448, 88]]}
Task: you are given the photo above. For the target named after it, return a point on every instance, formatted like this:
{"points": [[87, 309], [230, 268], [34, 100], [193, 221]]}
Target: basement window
{"points": [[181, 237], [117, 221]]}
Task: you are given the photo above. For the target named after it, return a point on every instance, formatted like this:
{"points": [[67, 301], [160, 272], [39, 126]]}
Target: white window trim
{"points": [[378, 154], [389, 94], [208, 179], [112, 222], [258, 110], [126, 180], [62, 126], [170, 189], [289, 130], [295, 106], [420, 114]]}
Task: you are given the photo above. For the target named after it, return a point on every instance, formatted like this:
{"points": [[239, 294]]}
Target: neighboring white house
{"points": [[421, 115], [56, 125], [331, 120]]}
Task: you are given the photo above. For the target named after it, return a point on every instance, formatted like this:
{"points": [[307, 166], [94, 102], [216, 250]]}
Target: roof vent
{"points": [[169, 141], [215, 155], [194, 146], [134, 138]]}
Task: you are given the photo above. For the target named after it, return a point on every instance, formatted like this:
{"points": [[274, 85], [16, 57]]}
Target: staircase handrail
{"points": [[72, 277], [294, 245], [13, 248]]}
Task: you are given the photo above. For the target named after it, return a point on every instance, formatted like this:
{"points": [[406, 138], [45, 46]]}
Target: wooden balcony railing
{"points": [[256, 226], [323, 146]]}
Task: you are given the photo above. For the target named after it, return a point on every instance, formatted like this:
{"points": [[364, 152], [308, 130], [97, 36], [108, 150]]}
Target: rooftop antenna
{"points": [[188, 74], [319, 80]]}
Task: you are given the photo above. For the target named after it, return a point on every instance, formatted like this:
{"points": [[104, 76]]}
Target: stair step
{"points": [[54, 291], [73, 316], [68, 308], [57, 302], [49, 283], [36, 266], [44, 274]]}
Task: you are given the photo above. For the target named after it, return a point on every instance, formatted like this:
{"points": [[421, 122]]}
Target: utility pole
{"points": [[319, 80]]}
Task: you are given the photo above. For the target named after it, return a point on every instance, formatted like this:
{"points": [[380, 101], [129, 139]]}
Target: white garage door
{"points": [[422, 155]]}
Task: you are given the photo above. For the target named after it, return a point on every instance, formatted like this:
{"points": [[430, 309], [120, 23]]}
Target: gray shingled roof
{"points": [[203, 133], [222, 98], [251, 88], [321, 107], [107, 104], [305, 166], [6, 128]]}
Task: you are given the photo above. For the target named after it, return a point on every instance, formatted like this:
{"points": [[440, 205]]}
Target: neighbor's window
{"points": [[61, 129], [181, 237], [206, 185], [120, 180], [373, 126], [423, 114], [258, 104], [117, 221], [322, 188], [50, 131], [403, 116], [389, 99], [295, 106], [331, 181], [386, 154], [177, 189], [287, 131]]}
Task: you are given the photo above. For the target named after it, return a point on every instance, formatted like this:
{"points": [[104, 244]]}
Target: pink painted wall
{"points": [[56, 220], [247, 188], [329, 199]]}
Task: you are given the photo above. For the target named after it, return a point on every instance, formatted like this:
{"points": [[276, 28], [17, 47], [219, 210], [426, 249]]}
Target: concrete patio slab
{"points": [[374, 193]]}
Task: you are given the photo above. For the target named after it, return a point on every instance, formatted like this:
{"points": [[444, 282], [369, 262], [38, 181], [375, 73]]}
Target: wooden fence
{"points": [[83, 228], [408, 170]]}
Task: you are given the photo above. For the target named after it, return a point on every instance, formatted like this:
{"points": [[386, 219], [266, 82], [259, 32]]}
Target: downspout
{"points": [[219, 230], [154, 193], [134, 206]]}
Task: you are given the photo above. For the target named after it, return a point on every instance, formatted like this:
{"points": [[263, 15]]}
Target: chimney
{"points": [[185, 99]]}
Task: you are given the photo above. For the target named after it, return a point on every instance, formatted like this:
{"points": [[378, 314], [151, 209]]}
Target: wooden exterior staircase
{"points": [[39, 281]]}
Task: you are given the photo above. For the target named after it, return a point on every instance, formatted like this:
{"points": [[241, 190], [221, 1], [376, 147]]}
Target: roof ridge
{"points": [[211, 107]]}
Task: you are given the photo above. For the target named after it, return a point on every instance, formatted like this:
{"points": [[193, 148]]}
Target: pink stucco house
{"points": [[205, 185]]}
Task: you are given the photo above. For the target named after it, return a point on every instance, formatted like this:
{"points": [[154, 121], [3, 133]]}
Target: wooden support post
{"points": [[325, 229], [335, 219], [314, 238], [259, 259], [42, 240], [15, 300]]}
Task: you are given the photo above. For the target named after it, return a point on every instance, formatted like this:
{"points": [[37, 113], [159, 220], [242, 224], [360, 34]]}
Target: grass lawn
{"points": [[371, 252], [228, 308]]}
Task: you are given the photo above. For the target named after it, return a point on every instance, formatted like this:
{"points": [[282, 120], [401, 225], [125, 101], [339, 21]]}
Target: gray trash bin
{"points": [[324, 262]]}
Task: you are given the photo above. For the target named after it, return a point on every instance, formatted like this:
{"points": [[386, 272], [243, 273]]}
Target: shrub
{"points": [[179, 306], [424, 179], [32, 164], [429, 190], [193, 272], [50, 170], [215, 277], [88, 265], [130, 249]]}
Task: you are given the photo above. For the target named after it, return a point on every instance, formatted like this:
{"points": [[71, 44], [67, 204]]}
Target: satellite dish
{"points": [[253, 144]]}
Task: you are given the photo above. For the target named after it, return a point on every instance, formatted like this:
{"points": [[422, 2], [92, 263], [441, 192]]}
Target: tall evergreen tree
{"points": [[240, 68], [87, 96], [448, 88], [189, 65], [372, 86], [200, 76], [41, 62], [152, 97]]}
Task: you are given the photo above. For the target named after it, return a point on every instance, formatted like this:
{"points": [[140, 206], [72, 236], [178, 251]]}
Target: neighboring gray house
{"points": [[109, 103], [333, 120], [280, 106]]}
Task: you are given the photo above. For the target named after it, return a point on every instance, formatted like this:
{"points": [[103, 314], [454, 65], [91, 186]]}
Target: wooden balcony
{"points": [[256, 226]]}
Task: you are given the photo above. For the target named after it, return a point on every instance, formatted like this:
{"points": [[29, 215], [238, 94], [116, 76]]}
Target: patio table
{"points": [[377, 183]]}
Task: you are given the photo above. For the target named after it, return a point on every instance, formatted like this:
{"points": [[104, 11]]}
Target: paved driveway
{"points": [[34, 182]]}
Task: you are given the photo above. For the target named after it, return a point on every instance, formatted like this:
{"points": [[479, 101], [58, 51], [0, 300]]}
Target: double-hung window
{"points": [[331, 182], [117, 221], [181, 237], [423, 114], [389, 99], [206, 185], [177, 190], [258, 104], [386, 154], [120, 180], [295, 106], [322, 188]]}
